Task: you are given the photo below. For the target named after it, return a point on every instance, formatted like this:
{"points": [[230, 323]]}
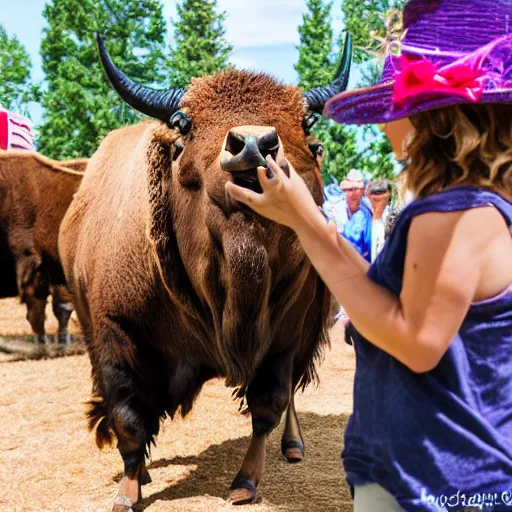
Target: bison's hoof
{"points": [[241, 496], [243, 491], [292, 450], [122, 504]]}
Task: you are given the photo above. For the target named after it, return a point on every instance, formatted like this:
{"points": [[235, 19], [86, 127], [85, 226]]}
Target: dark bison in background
{"points": [[174, 284], [35, 193]]}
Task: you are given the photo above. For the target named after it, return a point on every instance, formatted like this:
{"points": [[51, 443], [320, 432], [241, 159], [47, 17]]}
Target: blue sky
{"points": [[263, 33]]}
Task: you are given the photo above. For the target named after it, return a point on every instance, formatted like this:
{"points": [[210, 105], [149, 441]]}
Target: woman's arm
{"points": [[440, 279]]}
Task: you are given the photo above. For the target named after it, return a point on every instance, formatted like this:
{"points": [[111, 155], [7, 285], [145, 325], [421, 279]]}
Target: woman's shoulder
{"points": [[456, 199], [464, 211], [472, 228]]}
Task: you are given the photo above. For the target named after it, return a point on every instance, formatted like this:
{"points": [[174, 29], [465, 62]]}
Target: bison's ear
{"points": [[181, 122]]}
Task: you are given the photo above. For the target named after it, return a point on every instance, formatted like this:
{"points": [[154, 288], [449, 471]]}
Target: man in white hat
{"points": [[354, 221], [357, 228]]}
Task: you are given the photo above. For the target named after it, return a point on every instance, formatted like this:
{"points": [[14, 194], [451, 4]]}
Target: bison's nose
{"points": [[246, 147]]}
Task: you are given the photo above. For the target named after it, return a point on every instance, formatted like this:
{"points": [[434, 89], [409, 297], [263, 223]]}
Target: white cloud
{"points": [[243, 62], [275, 60], [262, 23], [251, 23]]}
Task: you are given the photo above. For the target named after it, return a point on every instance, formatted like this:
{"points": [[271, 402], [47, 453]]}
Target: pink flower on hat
{"points": [[417, 79]]}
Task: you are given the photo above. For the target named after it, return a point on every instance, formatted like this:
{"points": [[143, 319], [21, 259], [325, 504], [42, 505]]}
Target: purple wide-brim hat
{"points": [[453, 52]]}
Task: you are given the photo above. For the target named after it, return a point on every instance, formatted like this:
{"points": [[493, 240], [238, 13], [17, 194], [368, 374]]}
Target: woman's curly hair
{"points": [[468, 144]]}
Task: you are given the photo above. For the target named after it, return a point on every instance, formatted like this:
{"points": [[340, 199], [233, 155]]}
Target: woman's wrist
{"points": [[311, 224], [320, 239]]}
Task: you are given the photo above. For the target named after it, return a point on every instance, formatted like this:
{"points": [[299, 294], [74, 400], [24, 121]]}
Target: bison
{"points": [[174, 284], [35, 192]]}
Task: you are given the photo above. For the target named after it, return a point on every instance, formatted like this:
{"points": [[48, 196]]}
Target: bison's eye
{"points": [[308, 122], [181, 121]]}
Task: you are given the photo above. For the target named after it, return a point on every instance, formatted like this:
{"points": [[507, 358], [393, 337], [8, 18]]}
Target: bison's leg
{"points": [[129, 424], [267, 397], [34, 289], [36, 316], [135, 473], [292, 444], [34, 296], [62, 309], [133, 421]]}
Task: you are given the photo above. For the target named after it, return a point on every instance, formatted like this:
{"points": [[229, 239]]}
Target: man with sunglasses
{"points": [[379, 193]]}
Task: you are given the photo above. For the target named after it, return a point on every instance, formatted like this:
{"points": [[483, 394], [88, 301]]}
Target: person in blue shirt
{"points": [[351, 211], [347, 206], [357, 228]]}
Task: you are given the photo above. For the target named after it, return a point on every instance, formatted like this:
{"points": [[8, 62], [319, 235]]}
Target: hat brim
{"points": [[374, 105], [346, 185]]}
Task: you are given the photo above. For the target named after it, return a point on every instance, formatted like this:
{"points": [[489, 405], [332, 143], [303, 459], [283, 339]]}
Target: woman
{"points": [[432, 422]]}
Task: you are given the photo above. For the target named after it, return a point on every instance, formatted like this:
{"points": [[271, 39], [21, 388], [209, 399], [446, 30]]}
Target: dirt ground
{"points": [[49, 462]]}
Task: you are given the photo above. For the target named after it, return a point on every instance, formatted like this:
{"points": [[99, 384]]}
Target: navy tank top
{"points": [[441, 440]]}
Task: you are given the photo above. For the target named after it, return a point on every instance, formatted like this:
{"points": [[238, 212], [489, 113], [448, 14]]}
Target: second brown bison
{"points": [[35, 192], [174, 284]]}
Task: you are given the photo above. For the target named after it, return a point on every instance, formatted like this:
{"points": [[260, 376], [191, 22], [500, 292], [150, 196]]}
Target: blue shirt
{"points": [[358, 230], [439, 439]]}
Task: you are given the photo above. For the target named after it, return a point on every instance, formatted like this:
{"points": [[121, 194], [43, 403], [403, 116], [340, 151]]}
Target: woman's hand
{"points": [[286, 200]]}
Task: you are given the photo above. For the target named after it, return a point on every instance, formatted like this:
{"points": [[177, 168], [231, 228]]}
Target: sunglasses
{"points": [[378, 192]]}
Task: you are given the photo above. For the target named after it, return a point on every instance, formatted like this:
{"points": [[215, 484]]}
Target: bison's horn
{"points": [[158, 104], [316, 98]]}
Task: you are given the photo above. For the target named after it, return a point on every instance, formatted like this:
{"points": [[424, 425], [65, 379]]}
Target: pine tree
{"points": [[16, 88], [199, 46], [316, 67], [81, 107]]}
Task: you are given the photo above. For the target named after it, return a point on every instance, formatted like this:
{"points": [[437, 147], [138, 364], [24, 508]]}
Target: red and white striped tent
{"points": [[15, 131]]}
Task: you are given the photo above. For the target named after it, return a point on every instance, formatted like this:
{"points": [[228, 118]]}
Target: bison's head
{"points": [[226, 124]]}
